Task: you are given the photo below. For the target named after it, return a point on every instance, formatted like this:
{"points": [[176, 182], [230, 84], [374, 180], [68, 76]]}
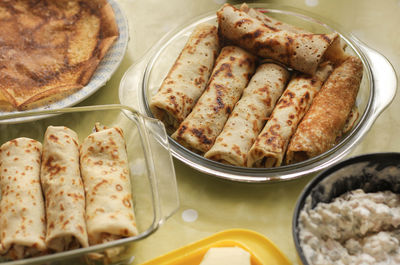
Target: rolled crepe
{"points": [[300, 51], [249, 115], [328, 114], [335, 52], [271, 23], [233, 69], [63, 190], [270, 146], [22, 218], [187, 78], [105, 174]]}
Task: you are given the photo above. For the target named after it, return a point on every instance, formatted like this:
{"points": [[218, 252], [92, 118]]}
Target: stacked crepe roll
{"points": [[261, 88], [105, 174], [63, 190], [187, 78], [249, 115], [22, 219], [270, 146], [62, 195], [233, 69]]}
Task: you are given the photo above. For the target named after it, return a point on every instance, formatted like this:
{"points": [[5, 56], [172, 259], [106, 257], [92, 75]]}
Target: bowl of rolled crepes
{"points": [[83, 186], [260, 93]]}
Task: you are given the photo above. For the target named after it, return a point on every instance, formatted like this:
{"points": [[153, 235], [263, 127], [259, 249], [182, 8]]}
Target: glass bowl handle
{"points": [[130, 92], [384, 78], [163, 178]]}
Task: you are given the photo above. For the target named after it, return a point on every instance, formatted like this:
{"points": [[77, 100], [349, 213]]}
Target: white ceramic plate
{"points": [[103, 73]]}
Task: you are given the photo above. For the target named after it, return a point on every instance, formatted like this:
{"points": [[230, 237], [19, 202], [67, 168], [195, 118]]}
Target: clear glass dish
{"points": [[154, 187], [377, 90]]}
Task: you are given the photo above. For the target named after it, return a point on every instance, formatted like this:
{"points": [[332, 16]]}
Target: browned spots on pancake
{"points": [[270, 44], [65, 223], [53, 167], [103, 181], [201, 136], [14, 142], [226, 68], [203, 69], [326, 38], [239, 23], [80, 228], [127, 201], [220, 104], [236, 149], [199, 81], [98, 163], [307, 96], [181, 130]]}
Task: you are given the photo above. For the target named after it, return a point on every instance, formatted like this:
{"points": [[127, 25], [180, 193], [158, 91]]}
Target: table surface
{"points": [[265, 208]]}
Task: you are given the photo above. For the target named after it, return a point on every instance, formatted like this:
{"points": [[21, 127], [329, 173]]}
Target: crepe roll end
{"points": [[17, 252], [263, 159], [296, 156], [64, 243], [225, 157], [336, 53], [169, 119]]}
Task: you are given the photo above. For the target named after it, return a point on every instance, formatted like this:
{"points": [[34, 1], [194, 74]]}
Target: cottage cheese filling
{"points": [[355, 228]]}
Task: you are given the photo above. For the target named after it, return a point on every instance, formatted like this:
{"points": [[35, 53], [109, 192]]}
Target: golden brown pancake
{"points": [[50, 49]]}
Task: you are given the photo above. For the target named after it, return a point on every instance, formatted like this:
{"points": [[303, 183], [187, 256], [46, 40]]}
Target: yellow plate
{"points": [[262, 250]]}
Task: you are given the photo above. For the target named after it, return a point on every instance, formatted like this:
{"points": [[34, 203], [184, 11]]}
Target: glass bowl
{"points": [[154, 188], [377, 90], [371, 173]]}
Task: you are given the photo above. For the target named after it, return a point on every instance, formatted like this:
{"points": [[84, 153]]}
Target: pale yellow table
{"points": [[265, 208]]}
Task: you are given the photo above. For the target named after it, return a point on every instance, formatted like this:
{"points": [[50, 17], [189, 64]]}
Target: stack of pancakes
{"points": [[50, 49]]}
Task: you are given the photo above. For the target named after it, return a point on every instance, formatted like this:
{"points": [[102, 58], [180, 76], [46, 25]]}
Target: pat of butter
{"points": [[226, 256]]}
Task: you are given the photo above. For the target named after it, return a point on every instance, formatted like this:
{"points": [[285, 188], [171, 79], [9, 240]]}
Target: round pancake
{"points": [[50, 49]]}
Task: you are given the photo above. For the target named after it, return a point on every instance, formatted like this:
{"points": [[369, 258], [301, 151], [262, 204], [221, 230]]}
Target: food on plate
{"points": [[50, 49], [249, 115], [187, 78], [226, 256], [326, 119], [242, 126], [22, 218], [300, 51], [63, 190], [270, 146], [355, 228], [105, 173], [233, 70]]}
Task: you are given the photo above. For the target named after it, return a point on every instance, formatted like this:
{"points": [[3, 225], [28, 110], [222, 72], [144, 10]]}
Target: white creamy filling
{"points": [[355, 228]]}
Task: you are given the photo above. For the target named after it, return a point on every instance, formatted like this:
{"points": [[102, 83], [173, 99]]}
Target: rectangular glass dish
{"points": [[154, 189]]}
